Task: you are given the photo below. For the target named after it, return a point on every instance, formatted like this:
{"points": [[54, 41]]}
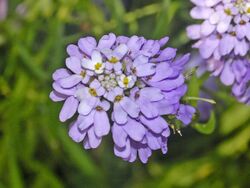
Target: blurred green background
{"points": [[35, 150]]}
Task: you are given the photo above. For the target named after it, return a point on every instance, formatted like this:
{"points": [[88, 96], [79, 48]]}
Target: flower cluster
{"points": [[224, 41], [127, 82]]}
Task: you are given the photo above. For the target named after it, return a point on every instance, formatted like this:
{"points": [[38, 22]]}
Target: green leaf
{"points": [[206, 128]]}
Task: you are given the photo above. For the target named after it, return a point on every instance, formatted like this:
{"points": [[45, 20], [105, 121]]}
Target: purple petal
{"points": [[148, 109], [166, 55], [201, 12], [208, 47], [130, 107], [145, 70], [185, 113], [194, 31], [144, 154], [123, 152], [87, 45], [227, 44], [107, 41], [74, 64], [69, 108], [70, 81], [207, 28], [153, 94], [169, 84], [135, 130], [227, 77], [94, 141], [120, 51], [86, 121], [241, 48], [157, 125], [73, 50], [163, 71], [60, 73], [119, 135], [101, 125], [56, 97], [75, 133], [59, 89], [152, 141], [86, 106], [120, 116], [163, 41]]}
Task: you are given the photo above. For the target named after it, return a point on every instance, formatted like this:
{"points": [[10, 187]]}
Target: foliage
{"points": [[34, 146]]}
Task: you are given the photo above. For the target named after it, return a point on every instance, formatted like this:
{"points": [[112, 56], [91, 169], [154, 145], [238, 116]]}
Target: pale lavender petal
{"points": [[145, 70], [60, 73], [227, 77], [70, 81], [59, 89], [152, 141], [56, 97], [134, 129], [119, 135], [208, 46], [87, 45], [74, 64], [153, 94], [94, 141], [194, 31], [148, 109], [69, 108], [123, 152], [163, 71], [86, 106], [107, 41], [120, 51], [207, 28], [120, 116], [101, 125], [73, 50], [130, 107], [144, 154], [86, 121], [166, 55], [75, 133], [157, 125]]}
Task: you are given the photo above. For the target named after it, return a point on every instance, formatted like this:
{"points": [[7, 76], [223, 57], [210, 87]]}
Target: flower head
{"points": [[124, 83], [223, 37]]}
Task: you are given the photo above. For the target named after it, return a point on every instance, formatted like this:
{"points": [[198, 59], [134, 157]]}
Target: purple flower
{"points": [[124, 83], [91, 127], [224, 38], [3, 9]]}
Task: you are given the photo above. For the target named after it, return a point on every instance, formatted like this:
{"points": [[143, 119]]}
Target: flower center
{"points": [[242, 6], [118, 98], [83, 73], [98, 66], [113, 60], [108, 81], [99, 108], [228, 12], [126, 81], [92, 92]]}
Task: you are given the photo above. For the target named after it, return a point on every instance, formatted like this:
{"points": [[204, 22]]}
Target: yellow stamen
{"points": [[98, 66], [92, 92], [99, 108], [118, 98], [248, 10], [228, 11], [113, 60], [83, 74], [126, 81]]}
